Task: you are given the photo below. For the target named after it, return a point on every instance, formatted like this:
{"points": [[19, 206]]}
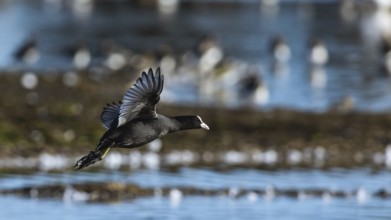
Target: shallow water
{"points": [[354, 68], [196, 208], [335, 179], [205, 207]]}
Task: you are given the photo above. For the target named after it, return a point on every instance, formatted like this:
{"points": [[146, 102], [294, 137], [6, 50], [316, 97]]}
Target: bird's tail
{"points": [[94, 156]]}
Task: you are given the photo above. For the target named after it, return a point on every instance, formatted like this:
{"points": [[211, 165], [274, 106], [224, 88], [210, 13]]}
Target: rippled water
{"points": [[214, 207], [196, 208], [336, 179]]}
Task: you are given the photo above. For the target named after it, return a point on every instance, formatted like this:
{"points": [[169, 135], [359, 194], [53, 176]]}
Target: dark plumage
{"points": [[134, 121], [27, 51]]}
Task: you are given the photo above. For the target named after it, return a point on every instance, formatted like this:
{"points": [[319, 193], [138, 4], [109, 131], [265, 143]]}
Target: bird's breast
{"points": [[138, 133]]}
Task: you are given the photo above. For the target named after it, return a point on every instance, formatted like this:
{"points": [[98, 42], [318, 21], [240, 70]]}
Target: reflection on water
{"points": [[251, 206], [197, 208], [336, 179]]}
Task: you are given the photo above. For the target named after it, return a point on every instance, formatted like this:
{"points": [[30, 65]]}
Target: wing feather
{"points": [[109, 116], [140, 100]]}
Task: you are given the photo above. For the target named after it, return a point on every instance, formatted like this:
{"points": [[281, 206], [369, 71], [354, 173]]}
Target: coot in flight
{"points": [[134, 121]]}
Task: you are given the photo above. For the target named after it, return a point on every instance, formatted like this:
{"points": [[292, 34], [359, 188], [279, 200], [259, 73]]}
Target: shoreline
{"points": [[63, 119], [119, 192]]}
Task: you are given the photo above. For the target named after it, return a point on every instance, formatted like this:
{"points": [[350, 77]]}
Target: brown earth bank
{"points": [[115, 192], [64, 119]]}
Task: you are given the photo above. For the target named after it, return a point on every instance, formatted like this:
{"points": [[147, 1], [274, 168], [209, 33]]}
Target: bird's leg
{"points": [[105, 151], [87, 160], [94, 156]]}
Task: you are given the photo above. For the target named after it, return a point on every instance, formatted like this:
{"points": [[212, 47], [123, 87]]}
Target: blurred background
{"points": [[296, 93]]}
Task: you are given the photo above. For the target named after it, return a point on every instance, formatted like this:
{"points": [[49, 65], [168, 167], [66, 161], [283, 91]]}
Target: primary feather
{"points": [[109, 116], [141, 99]]}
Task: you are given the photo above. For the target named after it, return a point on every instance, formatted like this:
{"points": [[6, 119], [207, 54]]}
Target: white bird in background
{"points": [[280, 49], [168, 7], [270, 7], [81, 57], [318, 54], [116, 57], [82, 9], [210, 54]]}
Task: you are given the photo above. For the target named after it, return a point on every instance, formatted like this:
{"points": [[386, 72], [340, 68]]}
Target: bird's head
{"points": [[201, 123]]}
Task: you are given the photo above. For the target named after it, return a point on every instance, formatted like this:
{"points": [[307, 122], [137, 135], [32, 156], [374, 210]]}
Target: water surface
{"points": [[209, 207], [244, 31]]}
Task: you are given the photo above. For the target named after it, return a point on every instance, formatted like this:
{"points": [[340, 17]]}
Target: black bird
{"points": [[134, 121], [28, 51]]}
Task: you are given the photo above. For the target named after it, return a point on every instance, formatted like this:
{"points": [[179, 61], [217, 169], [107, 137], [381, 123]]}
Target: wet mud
{"points": [[60, 117], [116, 192]]}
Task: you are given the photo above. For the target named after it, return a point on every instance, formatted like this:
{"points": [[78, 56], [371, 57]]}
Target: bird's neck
{"points": [[183, 123]]}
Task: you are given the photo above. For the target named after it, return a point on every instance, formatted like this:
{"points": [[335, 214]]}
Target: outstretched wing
{"points": [[141, 99], [109, 116]]}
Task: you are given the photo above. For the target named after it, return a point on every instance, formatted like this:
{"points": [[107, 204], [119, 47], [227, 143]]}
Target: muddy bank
{"points": [[60, 115], [115, 192]]}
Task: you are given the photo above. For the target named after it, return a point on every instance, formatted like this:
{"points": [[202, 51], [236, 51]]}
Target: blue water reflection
{"points": [[244, 32], [334, 179], [205, 207], [196, 208]]}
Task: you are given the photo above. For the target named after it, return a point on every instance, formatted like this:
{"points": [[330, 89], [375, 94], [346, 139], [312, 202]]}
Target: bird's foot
{"points": [[87, 160]]}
